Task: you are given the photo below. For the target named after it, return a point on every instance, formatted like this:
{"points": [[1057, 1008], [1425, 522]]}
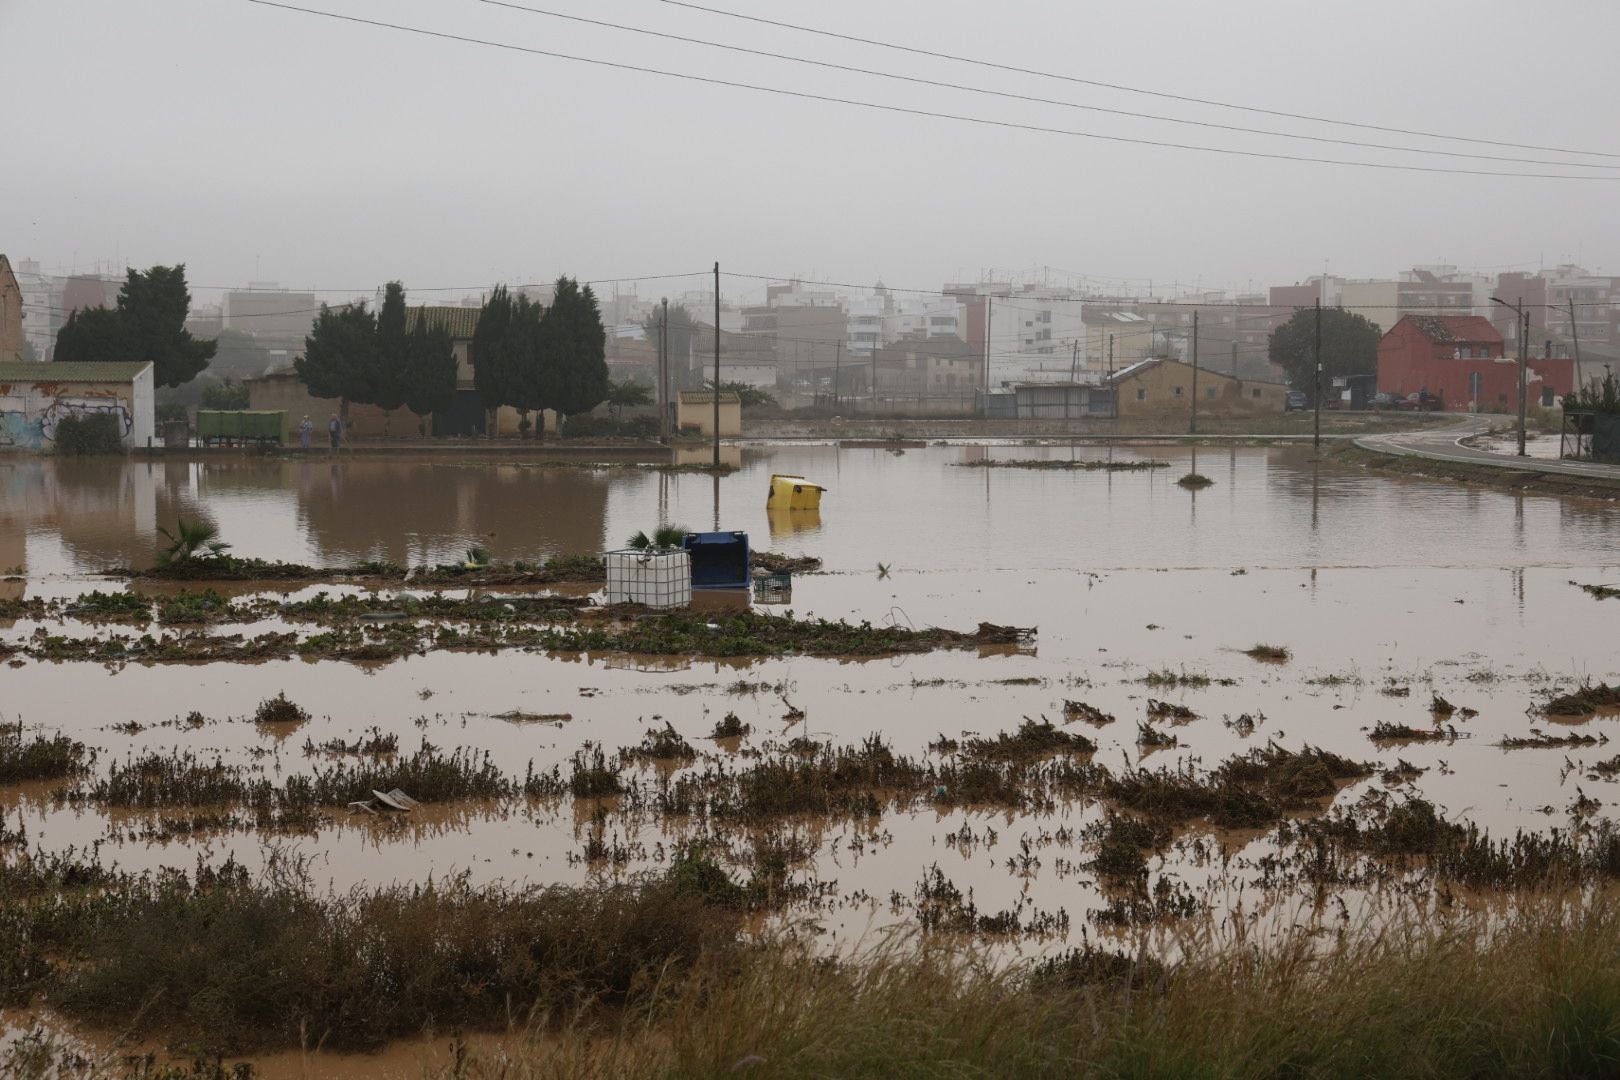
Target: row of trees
{"points": [[148, 323], [355, 355], [532, 357]]}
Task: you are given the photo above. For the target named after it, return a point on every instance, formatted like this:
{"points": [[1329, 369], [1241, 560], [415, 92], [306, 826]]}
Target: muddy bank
{"points": [[1498, 477]]}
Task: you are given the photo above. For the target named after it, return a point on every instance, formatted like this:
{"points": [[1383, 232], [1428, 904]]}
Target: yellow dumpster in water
{"points": [[793, 493]]}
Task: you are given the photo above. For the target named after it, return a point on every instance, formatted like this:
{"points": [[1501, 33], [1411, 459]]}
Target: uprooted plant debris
{"points": [[1169, 710], [1385, 731], [572, 627], [1271, 654], [1598, 592], [1585, 701], [1079, 710], [1541, 740]]}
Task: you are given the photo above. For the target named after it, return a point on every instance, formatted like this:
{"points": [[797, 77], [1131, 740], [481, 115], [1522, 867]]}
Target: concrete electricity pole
{"points": [[1193, 427], [663, 373], [1316, 436], [717, 380]]}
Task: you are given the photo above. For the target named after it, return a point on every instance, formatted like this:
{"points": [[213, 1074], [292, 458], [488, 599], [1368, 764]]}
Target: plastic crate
{"points": [[720, 560], [657, 579]]}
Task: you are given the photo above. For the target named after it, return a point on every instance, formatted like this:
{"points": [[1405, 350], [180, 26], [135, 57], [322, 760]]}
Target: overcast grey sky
{"points": [[250, 142]]}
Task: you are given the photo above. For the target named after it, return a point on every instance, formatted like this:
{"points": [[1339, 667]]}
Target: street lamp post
{"points": [[1522, 324]]}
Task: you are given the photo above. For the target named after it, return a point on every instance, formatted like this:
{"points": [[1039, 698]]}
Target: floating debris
{"points": [[1541, 740], [1587, 700], [1080, 710], [1166, 710]]}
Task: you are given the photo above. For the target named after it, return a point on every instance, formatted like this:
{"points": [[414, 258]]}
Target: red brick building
{"points": [[1460, 359]]}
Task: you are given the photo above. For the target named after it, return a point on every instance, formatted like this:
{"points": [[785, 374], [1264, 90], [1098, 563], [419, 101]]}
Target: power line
{"points": [[1030, 98], [1132, 89], [909, 111]]}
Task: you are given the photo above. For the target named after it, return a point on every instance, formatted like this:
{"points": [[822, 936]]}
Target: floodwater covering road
{"points": [[1383, 592]]}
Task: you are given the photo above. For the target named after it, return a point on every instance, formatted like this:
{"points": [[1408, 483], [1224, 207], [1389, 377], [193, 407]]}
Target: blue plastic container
{"points": [[719, 559]]}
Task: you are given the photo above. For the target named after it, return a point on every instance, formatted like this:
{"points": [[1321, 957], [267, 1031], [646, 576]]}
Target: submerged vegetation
{"points": [[43, 757], [372, 629]]}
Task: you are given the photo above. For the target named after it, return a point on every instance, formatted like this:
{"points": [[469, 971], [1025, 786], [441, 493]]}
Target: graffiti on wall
{"points": [[28, 420]]}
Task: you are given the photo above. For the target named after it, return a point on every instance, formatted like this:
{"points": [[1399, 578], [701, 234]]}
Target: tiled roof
{"points": [[1449, 328], [460, 321], [32, 372]]}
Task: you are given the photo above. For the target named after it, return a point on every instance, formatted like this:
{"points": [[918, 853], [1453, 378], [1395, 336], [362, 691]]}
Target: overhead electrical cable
{"points": [[909, 111], [1132, 89], [1035, 100]]}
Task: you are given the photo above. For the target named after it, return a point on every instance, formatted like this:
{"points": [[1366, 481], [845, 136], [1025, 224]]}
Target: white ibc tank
{"points": [[656, 579]]}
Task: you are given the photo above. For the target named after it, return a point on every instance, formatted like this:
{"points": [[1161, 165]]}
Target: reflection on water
{"points": [[914, 511]]}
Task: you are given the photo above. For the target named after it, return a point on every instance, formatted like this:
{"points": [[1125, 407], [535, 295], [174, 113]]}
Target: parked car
{"points": [[1422, 401], [1386, 401], [1296, 400]]}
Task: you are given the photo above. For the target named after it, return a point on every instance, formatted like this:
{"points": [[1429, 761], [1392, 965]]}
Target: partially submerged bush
{"points": [[97, 433], [40, 758], [279, 710]]}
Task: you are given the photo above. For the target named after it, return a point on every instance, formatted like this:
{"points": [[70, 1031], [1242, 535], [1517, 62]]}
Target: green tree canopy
{"points": [[428, 379], [574, 376], [388, 372], [626, 395], [1349, 347], [491, 373], [337, 360], [747, 396], [229, 394], [149, 324]]}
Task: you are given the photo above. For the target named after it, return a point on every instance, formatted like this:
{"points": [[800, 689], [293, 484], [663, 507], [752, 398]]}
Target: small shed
{"points": [[35, 397], [695, 412]]}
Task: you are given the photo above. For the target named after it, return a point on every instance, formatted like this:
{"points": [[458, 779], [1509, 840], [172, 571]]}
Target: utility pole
{"points": [[1234, 358], [1316, 434], [717, 389], [1524, 361], [663, 373], [838, 370], [1575, 335], [874, 379], [1115, 395], [987, 325], [1074, 362], [1192, 428]]}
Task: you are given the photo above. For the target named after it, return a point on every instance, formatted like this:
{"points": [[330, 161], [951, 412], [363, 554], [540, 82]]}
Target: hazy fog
{"points": [[252, 142]]}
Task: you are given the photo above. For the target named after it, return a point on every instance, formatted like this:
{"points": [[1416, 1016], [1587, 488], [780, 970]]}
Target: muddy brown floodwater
{"points": [[1371, 585]]}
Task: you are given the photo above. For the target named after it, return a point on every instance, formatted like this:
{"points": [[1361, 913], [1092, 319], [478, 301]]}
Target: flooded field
{"points": [[1412, 633]]}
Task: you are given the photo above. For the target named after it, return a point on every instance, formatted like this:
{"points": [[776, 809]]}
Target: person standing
{"points": [[335, 428], [306, 432]]}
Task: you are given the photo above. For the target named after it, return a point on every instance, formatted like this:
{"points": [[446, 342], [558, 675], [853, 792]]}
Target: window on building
{"points": [[1255, 392], [1178, 391], [1211, 392], [1141, 395]]}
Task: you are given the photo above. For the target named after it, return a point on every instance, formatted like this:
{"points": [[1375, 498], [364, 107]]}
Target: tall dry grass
{"points": [[1536, 994]]}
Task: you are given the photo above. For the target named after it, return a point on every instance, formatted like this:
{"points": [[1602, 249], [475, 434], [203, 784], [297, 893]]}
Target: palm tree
{"points": [[667, 538], [191, 540], [626, 394]]}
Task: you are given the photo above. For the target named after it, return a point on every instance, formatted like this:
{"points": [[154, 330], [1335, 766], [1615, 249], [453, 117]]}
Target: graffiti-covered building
{"points": [[35, 397]]}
